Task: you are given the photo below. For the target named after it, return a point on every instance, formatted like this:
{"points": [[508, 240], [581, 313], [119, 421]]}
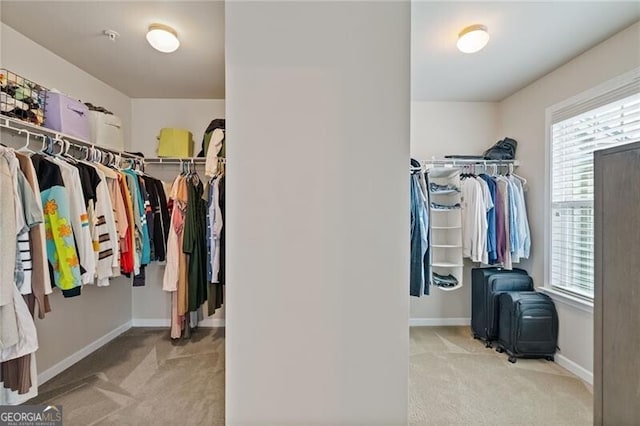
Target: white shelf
{"points": [[443, 172], [34, 130], [448, 288], [446, 253], [447, 265], [449, 192]]}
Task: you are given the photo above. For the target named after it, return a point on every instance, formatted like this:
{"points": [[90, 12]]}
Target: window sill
{"points": [[567, 299]]}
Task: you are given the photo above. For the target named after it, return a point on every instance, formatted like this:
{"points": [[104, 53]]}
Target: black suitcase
{"points": [[486, 285], [528, 325]]}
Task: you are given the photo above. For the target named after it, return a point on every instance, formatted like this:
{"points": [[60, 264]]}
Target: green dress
{"points": [[195, 244]]}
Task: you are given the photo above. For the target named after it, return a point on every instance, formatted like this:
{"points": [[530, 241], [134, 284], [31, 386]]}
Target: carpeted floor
{"points": [[143, 378], [455, 380]]}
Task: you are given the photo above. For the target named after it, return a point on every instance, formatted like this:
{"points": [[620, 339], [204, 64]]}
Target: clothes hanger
{"points": [[65, 152], [47, 146], [523, 180], [25, 148]]}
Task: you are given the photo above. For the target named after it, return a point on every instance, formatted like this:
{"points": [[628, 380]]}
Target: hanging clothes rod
{"points": [[468, 161], [178, 160], [31, 130]]}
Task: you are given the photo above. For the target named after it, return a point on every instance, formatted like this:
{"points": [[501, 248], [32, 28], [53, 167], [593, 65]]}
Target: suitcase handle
{"points": [[113, 125]]}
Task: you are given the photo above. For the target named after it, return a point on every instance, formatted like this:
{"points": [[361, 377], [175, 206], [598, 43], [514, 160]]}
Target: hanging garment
{"points": [[22, 385], [136, 227], [423, 180], [222, 208], [148, 214], [215, 225], [79, 218], [213, 150], [8, 324], [524, 233], [174, 279], [160, 218], [194, 244], [513, 222], [474, 220], [486, 207], [504, 235], [40, 279], [127, 249], [117, 225], [105, 231], [419, 225], [27, 334], [18, 376], [31, 216], [491, 220], [61, 249], [90, 180], [218, 223]]}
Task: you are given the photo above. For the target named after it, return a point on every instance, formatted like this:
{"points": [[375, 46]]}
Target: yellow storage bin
{"points": [[175, 143]]}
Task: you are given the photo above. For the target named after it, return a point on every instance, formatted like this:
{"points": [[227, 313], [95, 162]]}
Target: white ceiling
{"points": [[73, 30], [528, 40]]}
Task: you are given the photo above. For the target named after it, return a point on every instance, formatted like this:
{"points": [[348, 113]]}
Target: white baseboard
{"points": [[59, 367], [151, 322], [163, 322], [212, 322], [576, 369], [434, 322]]}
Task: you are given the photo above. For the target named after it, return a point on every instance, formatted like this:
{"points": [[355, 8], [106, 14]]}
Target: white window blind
{"points": [[573, 141]]}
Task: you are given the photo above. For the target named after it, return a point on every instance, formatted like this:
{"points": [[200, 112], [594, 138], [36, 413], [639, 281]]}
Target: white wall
{"points": [[522, 116], [438, 129], [317, 303], [151, 115], [152, 305], [24, 56], [74, 323]]}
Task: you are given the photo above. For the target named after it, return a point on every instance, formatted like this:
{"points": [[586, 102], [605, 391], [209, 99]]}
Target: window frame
{"points": [[568, 296]]}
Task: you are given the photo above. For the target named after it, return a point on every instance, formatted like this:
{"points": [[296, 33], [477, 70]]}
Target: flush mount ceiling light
{"points": [[473, 38], [163, 38]]}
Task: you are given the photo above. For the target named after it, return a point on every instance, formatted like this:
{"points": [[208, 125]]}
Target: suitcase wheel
{"points": [[499, 350], [487, 345], [512, 359], [475, 336], [550, 358]]}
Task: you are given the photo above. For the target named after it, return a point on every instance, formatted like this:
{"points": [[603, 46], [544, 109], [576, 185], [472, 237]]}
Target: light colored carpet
{"points": [[143, 378], [455, 380]]}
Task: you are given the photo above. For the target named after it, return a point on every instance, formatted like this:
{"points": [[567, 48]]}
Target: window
{"points": [[576, 132]]}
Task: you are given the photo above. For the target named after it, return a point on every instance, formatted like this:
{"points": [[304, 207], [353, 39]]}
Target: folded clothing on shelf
{"points": [[436, 206], [444, 280], [21, 98], [435, 188]]}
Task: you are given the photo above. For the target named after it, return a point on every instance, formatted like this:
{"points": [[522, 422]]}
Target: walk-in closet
{"points": [[324, 213], [125, 203]]}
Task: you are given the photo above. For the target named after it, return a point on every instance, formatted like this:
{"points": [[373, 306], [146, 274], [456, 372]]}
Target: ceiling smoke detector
{"points": [[112, 34]]}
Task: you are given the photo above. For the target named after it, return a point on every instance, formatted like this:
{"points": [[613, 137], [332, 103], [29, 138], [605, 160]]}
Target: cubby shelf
{"points": [[446, 244]]}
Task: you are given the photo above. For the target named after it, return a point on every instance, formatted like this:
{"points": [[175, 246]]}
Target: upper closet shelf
{"points": [[32, 130]]}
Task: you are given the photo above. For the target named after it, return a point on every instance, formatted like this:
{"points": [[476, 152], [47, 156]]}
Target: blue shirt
{"points": [[491, 220]]}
